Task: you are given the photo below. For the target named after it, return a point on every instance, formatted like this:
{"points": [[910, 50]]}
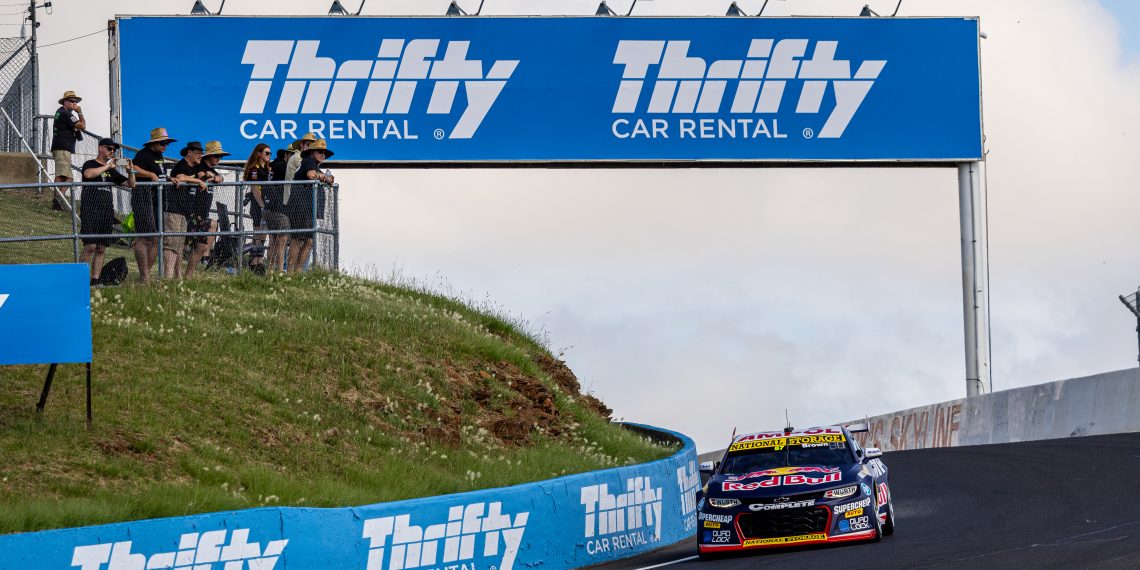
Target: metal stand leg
{"points": [[47, 388], [88, 394]]}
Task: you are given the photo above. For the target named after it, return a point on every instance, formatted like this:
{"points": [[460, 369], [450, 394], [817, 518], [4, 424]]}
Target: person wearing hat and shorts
{"points": [[178, 204], [150, 166], [97, 205], [199, 216], [66, 129], [300, 206], [294, 165]]}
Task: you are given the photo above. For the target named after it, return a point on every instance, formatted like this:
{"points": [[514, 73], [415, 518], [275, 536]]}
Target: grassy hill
{"points": [[316, 390]]}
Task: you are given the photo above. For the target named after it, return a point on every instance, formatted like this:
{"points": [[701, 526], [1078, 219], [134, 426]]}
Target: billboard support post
{"points": [[975, 290]]}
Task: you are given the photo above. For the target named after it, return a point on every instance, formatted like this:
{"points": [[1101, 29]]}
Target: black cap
{"points": [[109, 142], [192, 145]]}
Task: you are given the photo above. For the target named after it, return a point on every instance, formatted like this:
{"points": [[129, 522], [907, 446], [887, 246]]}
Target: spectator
{"points": [[150, 166], [302, 203], [199, 215], [257, 170], [66, 129], [275, 217], [177, 205], [97, 205], [298, 147]]}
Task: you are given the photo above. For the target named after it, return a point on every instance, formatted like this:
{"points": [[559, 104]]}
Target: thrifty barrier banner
{"points": [[568, 522], [563, 89]]}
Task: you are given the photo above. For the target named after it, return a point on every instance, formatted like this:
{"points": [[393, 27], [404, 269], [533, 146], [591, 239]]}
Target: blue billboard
{"points": [[45, 314], [561, 89]]}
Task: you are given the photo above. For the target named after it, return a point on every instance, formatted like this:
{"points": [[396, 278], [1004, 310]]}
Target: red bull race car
{"points": [[793, 488]]}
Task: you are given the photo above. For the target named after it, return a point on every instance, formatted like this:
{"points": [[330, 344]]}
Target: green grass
{"points": [[315, 390]]}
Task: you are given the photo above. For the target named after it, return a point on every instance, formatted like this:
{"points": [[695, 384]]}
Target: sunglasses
{"points": [[73, 100]]}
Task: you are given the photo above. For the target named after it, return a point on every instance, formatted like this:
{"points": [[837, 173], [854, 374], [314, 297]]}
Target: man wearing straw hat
{"points": [[301, 203], [150, 166], [200, 211], [178, 203], [65, 130]]}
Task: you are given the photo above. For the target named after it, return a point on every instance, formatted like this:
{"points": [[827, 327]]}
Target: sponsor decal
{"points": [[779, 443], [382, 84], [840, 509], [213, 550], [688, 479], [780, 506], [467, 526], [717, 518], [785, 539], [673, 79], [711, 524], [860, 523], [854, 513], [623, 521], [783, 476], [883, 494], [718, 536], [865, 488], [779, 434]]}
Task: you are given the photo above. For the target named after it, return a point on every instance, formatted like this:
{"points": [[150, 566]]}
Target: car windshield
{"points": [[787, 452]]}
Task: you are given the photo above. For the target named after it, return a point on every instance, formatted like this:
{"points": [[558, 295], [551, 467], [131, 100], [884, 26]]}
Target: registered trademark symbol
{"points": [[439, 134], [808, 133]]}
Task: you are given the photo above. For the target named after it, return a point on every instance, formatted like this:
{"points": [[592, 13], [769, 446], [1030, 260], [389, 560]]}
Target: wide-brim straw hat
{"points": [[296, 145], [214, 148], [319, 144], [192, 145], [69, 95], [159, 135]]}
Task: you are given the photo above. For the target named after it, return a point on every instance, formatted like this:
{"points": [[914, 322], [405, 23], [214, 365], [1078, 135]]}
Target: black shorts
{"points": [[255, 213], [301, 218], [142, 204], [96, 215]]}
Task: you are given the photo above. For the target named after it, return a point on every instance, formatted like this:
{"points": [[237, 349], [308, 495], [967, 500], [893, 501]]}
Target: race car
{"points": [[793, 488]]}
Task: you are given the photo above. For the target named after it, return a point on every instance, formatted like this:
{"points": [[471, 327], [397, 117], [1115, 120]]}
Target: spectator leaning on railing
{"points": [[199, 216], [151, 167], [97, 205], [257, 170], [65, 130], [301, 203], [177, 204]]}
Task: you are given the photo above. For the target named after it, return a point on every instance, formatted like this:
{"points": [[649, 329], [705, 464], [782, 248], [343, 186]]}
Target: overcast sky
{"points": [[704, 300]]}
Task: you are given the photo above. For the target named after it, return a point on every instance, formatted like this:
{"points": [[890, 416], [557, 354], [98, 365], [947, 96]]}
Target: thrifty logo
{"points": [[687, 482], [639, 507], [414, 546], [315, 85], [682, 84], [205, 551]]}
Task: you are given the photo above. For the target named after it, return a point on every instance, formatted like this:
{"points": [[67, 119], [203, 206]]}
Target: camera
{"points": [[121, 162]]}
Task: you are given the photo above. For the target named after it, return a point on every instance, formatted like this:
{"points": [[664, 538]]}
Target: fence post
{"points": [[336, 227], [160, 223], [313, 250], [74, 226], [239, 225]]}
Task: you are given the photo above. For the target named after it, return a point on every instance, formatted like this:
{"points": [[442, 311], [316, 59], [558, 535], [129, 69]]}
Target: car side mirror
{"points": [[872, 452], [707, 467]]}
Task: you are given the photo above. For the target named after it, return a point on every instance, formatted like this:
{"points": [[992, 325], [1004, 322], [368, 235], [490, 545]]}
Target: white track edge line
{"points": [[669, 563]]}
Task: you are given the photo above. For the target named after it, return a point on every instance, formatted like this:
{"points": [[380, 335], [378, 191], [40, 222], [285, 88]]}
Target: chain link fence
{"points": [[214, 229], [17, 83]]}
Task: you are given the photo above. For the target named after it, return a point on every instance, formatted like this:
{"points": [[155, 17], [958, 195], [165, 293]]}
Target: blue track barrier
{"points": [[568, 522]]}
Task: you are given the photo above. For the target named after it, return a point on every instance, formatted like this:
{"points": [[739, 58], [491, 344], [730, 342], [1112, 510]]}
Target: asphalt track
{"points": [[1071, 503]]}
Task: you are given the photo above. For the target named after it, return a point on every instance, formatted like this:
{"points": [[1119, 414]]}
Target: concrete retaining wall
{"points": [[1094, 405]]}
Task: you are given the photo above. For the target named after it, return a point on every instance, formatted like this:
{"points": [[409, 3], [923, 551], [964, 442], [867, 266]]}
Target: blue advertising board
{"points": [[561, 89], [45, 314], [568, 522]]}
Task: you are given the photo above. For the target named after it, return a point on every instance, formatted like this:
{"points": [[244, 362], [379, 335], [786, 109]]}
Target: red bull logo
{"points": [[781, 476]]}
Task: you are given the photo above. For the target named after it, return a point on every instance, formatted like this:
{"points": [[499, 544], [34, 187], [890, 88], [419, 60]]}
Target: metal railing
{"points": [[228, 208]]}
